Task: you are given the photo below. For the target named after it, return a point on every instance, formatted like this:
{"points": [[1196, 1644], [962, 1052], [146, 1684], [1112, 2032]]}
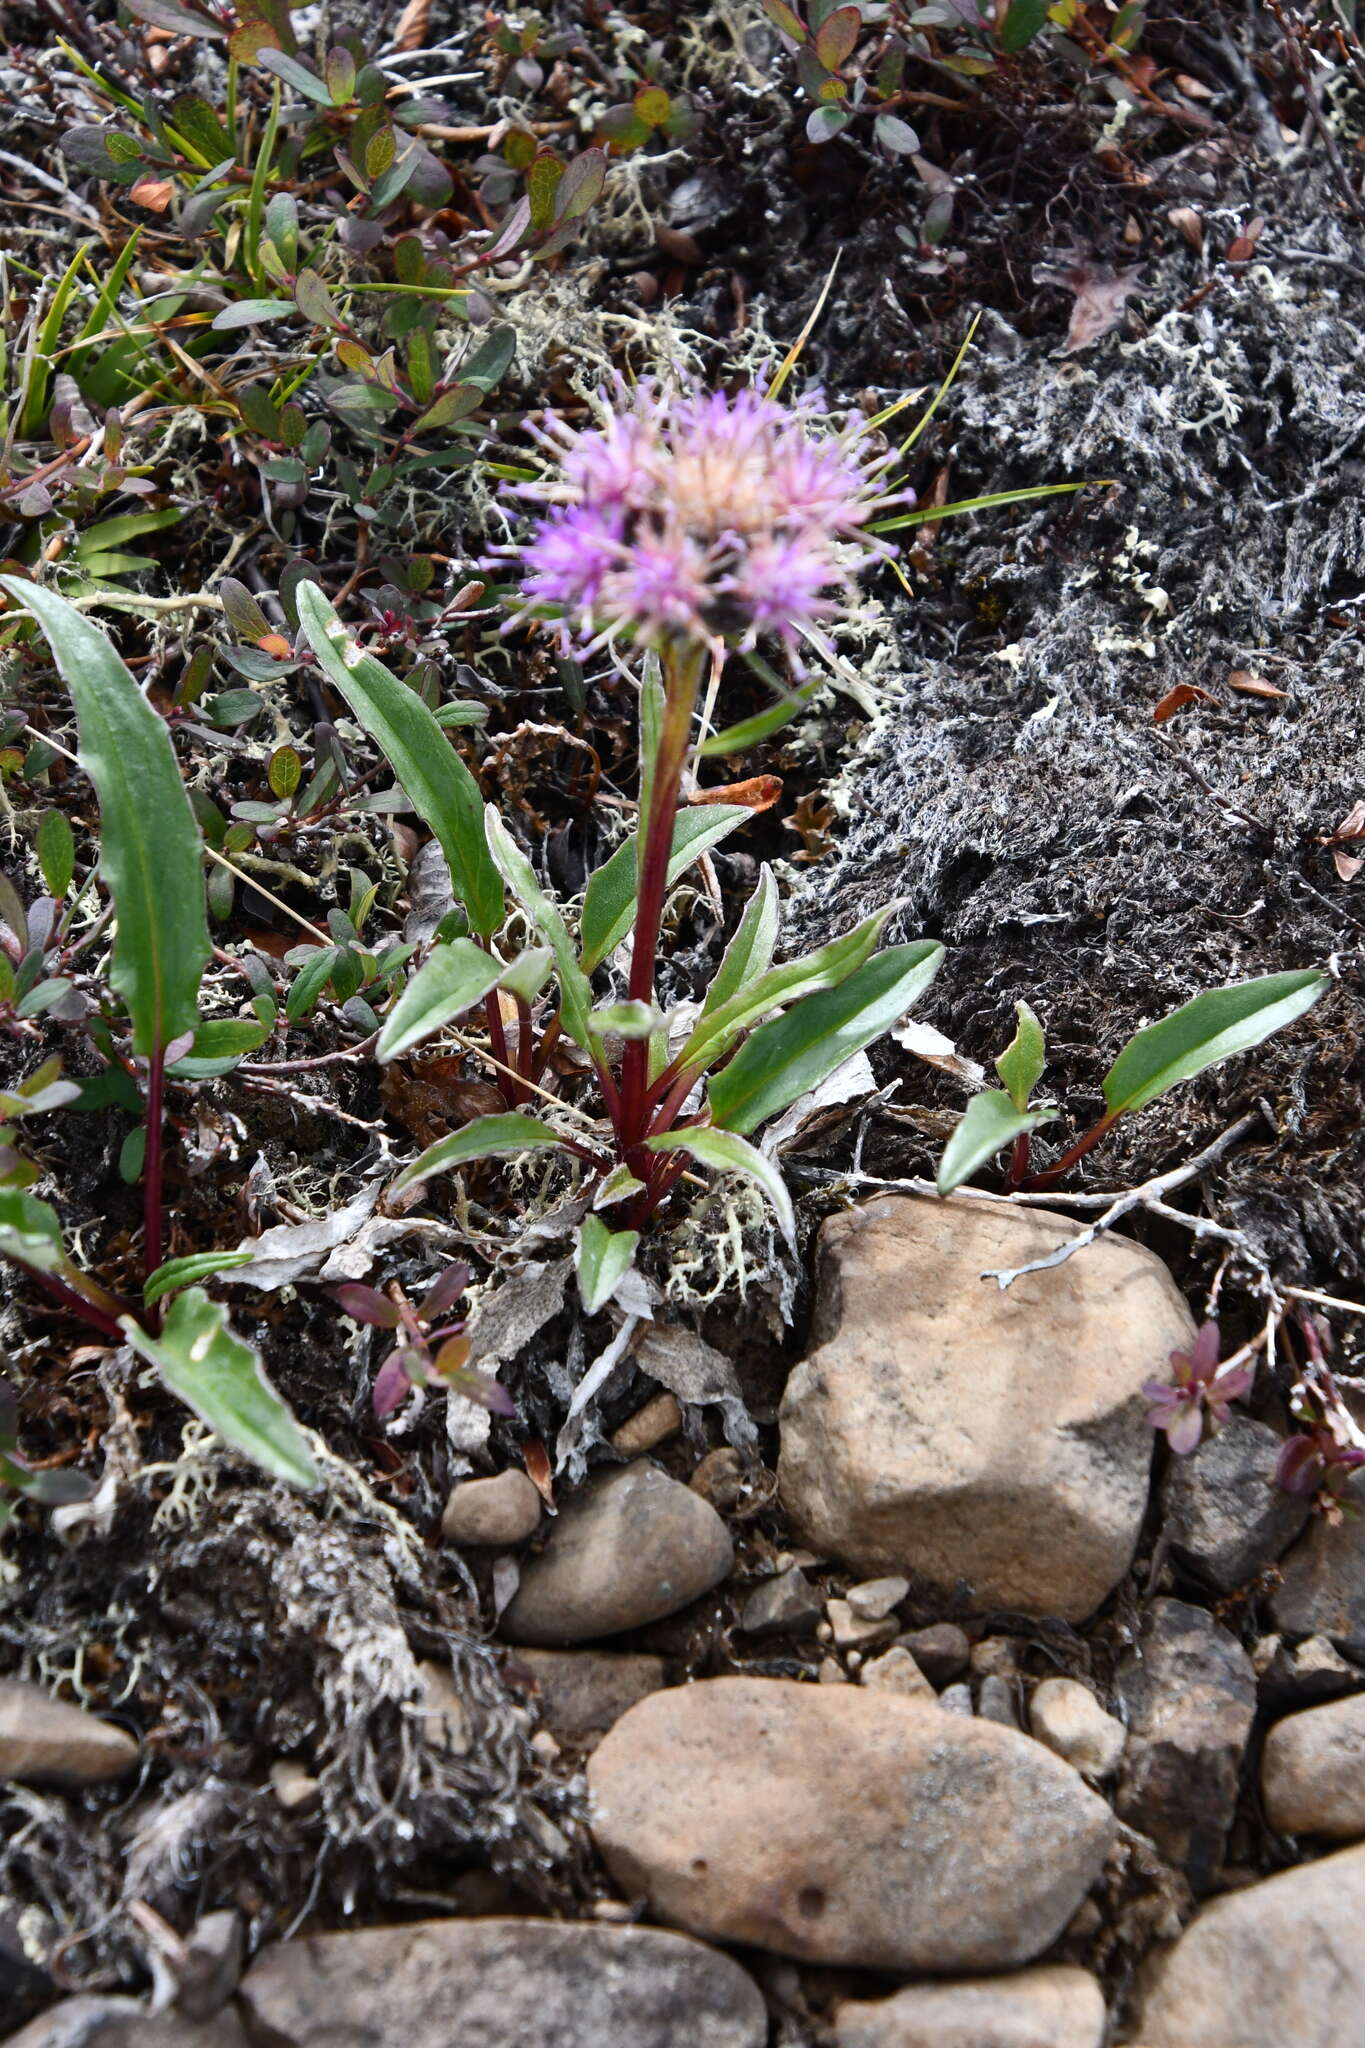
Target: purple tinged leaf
{"points": [[364, 1305], [1299, 1467], [1185, 1428], [445, 1290], [391, 1385]]}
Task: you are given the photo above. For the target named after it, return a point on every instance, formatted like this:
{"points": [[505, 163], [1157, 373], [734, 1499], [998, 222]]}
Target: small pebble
{"points": [[874, 1599], [995, 1702], [994, 1657], [293, 1786], [488, 1513], [956, 1699], [1065, 1715], [786, 1605], [941, 1651], [44, 1741], [897, 1671], [831, 1672], [653, 1424], [852, 1633]]}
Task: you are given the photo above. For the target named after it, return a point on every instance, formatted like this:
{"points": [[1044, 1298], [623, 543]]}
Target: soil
{"points": [[1016, 781]]}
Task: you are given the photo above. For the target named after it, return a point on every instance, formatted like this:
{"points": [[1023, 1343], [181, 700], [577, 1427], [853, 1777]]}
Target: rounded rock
{"points": [[492, 1513], [992, 1444], [502, 1983], [1055, 2006], [1313, 1772], [1280, 1962], [631, 1547], [1065, 1715], [840, 1825]]}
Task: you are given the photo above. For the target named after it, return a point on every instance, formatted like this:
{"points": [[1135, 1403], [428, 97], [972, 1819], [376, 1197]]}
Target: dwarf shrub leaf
{"points": [[487, 1137], [1210, 1028], [150, 845], [609, 905], [451, 981]]}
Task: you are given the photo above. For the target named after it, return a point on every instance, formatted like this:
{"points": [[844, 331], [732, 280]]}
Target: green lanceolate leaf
{"points": [[221, 1378], [989, 1123], [1208, 1029], [448, 983], [602, 1258], [56, 853], [750, 951], [1020, 1065], [444, 793], [177, 1273], [609, 904], [150, 846], [575, 991], [30, 1232], [725, 1152], [717, 1030], [220, 1044], [488, 1137], [796, 1052]]}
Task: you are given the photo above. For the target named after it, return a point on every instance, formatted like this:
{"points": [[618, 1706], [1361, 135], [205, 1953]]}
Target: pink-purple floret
{"points": [[701, 516]]}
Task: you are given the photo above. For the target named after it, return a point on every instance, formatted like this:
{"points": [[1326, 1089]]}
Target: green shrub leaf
{"points": [[150, 846], [1020, 1065], [725, 1152], [487, 1137], [1210, 1028], [609, 904]]}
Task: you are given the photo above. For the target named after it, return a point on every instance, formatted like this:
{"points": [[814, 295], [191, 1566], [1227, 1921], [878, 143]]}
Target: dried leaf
{"points": [[153, 193], [411, 30], [1101, 295], [537, 1461], [1253, 686], [1190, 225], [1176, 700], [758, 793]]}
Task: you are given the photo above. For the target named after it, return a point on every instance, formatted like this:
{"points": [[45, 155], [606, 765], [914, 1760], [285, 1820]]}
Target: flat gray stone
{"points": [[630, 1547], [582, 1693], [787, 1605], [1189, 1696], [1322, 1584], [46, 1742], [502, 1984]]}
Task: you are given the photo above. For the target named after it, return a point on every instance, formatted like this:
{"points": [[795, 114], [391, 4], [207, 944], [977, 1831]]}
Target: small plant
{"points": [[428, 1344], [685, 526], [1198, 1396], [19, 1480], [151, 864], [1209, 1028]]}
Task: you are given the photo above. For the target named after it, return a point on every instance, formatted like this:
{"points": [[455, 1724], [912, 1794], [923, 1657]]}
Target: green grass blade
{"points": [[150, 845], [927, 512]]}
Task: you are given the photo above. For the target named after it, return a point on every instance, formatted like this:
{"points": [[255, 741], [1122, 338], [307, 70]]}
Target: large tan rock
{"points": [[994, 1444], [1280, 1965], [843, 1825], [501, 1984], [1313, 1772], [1056, 2006]]}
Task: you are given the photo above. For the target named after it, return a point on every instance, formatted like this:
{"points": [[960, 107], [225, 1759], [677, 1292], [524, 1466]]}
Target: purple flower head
{"points": [[700, 516], [1199, 1391]]}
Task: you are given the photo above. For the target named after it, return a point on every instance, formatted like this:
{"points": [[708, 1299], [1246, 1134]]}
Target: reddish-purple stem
{"points": [[1078, 1151]]}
